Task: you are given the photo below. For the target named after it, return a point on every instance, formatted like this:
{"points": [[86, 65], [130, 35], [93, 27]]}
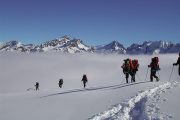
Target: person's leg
{"points": [[84, 84], [151, 76], [127, 76], [155, 76], [134, 78]]}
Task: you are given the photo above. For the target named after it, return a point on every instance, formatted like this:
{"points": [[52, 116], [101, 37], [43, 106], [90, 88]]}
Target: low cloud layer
{"points": [[19, 72]]}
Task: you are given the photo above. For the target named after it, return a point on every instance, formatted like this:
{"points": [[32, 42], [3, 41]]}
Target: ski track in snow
{"points": [[143, 106]]}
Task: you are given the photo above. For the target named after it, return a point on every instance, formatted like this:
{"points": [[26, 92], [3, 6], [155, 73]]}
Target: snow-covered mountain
{"points": [[153, 47], [74, 46], [68, 45], [113, 47], [55, 44], [64, 44], [16, 46]]}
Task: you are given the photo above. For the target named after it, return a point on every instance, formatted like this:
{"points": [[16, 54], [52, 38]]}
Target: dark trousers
{"points": [[84, 83], [37, 87], [153, 74], [127, 77], [60, 85], [133, 76]]}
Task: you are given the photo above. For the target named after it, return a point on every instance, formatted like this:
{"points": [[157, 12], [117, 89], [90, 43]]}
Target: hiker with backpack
{"points": [[130, 67], [84, 80], [60, 83], [178, 63], [126, 69], [134, 65], [37, 86], [154, 65]]}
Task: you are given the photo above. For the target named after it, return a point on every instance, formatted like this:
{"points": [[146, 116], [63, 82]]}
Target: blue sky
{"points": [[93, 21]]}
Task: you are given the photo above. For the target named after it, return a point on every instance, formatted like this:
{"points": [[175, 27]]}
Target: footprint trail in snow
{"points": [[143, 106]]}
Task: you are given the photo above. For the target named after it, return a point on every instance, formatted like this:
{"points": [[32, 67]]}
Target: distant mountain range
{"points": [[67, 45]]}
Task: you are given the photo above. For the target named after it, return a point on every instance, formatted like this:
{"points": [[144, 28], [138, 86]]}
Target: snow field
{"points": [[106, 89]]}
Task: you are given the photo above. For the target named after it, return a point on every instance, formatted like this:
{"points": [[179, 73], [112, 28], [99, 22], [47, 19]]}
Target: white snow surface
{"points": [[107, 96]]}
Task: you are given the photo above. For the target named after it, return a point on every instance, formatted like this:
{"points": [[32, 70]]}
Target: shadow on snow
{"points": [[112, 87]]}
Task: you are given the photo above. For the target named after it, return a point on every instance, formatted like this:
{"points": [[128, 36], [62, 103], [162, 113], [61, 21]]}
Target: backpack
{"points": [[126, 66], [61, 81], [154, 63], [155, 59], [134, 65], [84, 79]]}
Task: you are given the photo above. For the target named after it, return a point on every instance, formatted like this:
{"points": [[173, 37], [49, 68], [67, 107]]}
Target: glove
{"points": [[149, 66], [174, 64]]}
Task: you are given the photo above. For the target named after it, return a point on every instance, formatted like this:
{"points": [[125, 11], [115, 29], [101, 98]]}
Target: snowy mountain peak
{"points": [[151, 47], [12, 43], [76, 45], [55, 42], [15, 46], [113, 47]]}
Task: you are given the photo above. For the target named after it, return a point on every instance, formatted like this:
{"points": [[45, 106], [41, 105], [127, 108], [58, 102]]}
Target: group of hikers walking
{"points": [[130, 67], [84, 80]]}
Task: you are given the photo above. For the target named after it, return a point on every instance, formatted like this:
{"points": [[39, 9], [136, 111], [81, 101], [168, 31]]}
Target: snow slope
{"points": [[107, 96]]}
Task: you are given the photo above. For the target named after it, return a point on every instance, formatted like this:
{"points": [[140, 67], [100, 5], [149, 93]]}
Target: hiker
{"points": [[134, 65], [37, 86], [84, 80], [154, 68], [178, 63], [126, 69], [60, 83]]}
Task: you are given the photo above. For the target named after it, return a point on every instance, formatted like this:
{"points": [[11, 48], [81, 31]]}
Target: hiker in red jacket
{"points": [[134, 65]]}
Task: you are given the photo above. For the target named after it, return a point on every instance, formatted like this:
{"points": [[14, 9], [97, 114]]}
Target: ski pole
{"points": [[158, 74], [147, 73], [171, 73], [122, 81]]}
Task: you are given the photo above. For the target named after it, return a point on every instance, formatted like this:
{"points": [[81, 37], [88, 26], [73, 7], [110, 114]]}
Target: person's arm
{"points": [[122, 66], [178, 62], [150, 65]]}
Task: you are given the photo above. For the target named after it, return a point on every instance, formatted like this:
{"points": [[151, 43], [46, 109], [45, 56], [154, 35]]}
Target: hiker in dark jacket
{"points": [[126, 69], [154, 68], [178, 63], [84, 80], [60, 83], [37, 86]]}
